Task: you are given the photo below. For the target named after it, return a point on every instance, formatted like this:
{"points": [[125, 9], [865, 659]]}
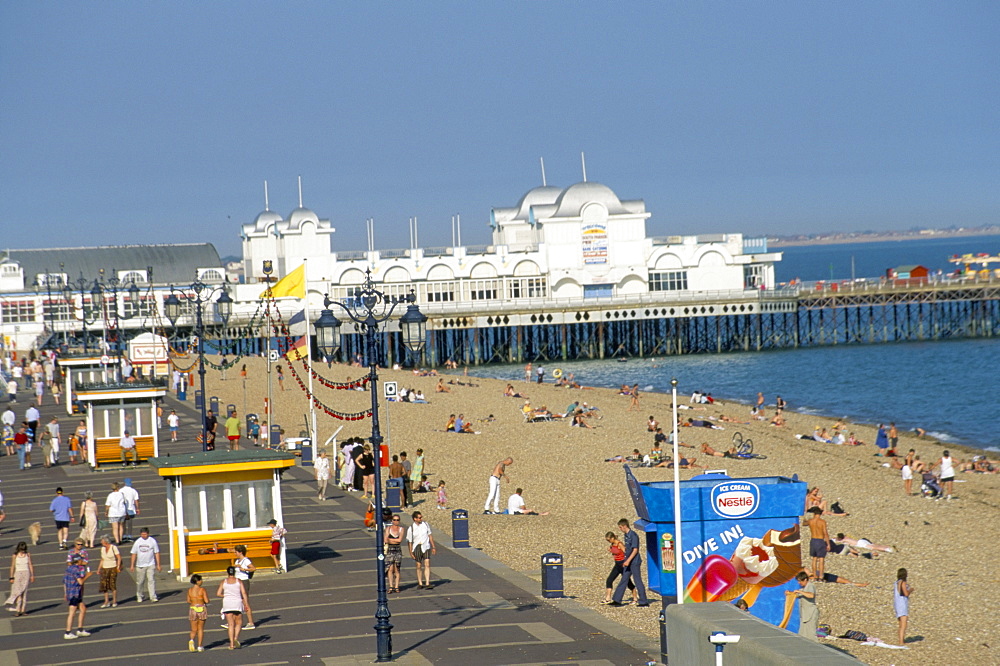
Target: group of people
{"points": [[23, 439], [145, 557], [937, 479]]}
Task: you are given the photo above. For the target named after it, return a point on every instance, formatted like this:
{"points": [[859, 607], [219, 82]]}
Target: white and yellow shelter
{"points": [[217, 500], [111, 409]]}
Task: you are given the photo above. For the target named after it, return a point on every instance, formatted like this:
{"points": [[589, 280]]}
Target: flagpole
{"points": [[309, 361]]}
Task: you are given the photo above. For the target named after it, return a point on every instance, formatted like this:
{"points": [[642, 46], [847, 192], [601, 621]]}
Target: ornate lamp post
{"points": [[87, 315], [201, 293], [98, 301], [370, 308]]}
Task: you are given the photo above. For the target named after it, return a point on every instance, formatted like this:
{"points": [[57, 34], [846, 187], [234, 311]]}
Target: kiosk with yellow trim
{"points": [[217, 500], [114, 407], [81, 369]]}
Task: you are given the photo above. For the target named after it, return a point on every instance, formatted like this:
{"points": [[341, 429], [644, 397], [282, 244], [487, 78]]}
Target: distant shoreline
{"points": [[880, 237]]}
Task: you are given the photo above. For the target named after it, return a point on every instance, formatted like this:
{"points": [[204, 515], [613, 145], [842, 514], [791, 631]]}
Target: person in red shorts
{"points": [[277, 534], [234, 430]]}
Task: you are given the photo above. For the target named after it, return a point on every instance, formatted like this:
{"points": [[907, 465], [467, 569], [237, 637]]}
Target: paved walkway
{"points": [[321, 611]]}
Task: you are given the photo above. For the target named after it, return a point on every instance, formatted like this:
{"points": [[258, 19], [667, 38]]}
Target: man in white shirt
{"points": [[131, 496], [173, 422], [127, 445], [31, 415], [145, 555], [8, 417], [421, 548], [515, 505], [116, 511]]}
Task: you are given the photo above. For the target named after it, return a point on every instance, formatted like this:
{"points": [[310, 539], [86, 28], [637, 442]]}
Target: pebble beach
{"points": [[944, 544]]}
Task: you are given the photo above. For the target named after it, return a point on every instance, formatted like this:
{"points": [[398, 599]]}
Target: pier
{"points": [[815, 314]]}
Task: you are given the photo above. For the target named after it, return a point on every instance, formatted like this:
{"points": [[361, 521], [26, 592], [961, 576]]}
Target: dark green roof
{"points": [[218, 457]]}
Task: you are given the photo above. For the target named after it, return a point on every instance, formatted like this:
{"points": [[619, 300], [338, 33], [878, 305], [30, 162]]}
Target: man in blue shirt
{"points": [[631, 567], [62, 512]]}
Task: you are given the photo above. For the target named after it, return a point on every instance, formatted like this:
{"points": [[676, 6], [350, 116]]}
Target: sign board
{"points": [[273, 355], [105, 359], [389, 389]]}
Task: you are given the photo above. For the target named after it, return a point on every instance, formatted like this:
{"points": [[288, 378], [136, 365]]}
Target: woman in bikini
{"points": [[197, 599], [393, 553]]}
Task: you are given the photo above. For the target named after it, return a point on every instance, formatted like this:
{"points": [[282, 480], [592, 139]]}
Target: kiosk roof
{"points": [[205, 462]]}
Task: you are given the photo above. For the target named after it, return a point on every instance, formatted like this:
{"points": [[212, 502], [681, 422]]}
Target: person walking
{"points": [[22, 574], [244, 573], [617, 550], [234, 600], [421, 548], [499, 472], [322, 471], [108, 570], [631, 567], [393, 553], [277, 539], [76, 575], [115, 508], [197, 599], [145, 555], [901, 602], [234, 430], [61, 508], [174, 423], [89, 519], [131, 496], [417, 471]]}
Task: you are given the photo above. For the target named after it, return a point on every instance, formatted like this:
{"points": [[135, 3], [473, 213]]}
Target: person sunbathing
{"points": [[441, 388], [634, 457], [709, 451], [833, 578], [511, 393], [854, 544], [685, 463], [778, 421], [581, 422], [698, 423]]}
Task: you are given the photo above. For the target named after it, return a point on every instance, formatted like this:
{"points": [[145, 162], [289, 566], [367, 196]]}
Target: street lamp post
{"points": [[98, 299], [201, 293], [81, 285], [678, 547], [370, 308]]}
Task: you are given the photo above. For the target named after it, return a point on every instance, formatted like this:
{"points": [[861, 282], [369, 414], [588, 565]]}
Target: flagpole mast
{"points": [[309, 361]]}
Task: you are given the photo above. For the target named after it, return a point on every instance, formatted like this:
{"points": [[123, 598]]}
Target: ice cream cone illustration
{"points": [[715, 575], [787, 547]]}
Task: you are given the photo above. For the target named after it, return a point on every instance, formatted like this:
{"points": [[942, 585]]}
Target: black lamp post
{"points": [[87, 315], [371, 308], [201, 293], [98, 299]]}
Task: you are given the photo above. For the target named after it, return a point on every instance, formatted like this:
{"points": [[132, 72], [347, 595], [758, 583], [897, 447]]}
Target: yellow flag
{"points": [[293, 284]]}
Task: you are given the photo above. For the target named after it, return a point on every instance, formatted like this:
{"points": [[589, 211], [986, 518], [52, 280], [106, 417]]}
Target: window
{"points": [[440, 292], [143, 307], [228, 506], [211, 275], [753, 276], [484, 290], [18, 312], [139, 277], [668, 281], [534, 287], [598, 290], [57, 311]]}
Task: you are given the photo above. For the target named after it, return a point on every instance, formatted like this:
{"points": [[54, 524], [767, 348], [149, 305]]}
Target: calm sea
{"points": [[948, 388]]}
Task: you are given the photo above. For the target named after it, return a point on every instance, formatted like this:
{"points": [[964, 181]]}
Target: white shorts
{"points": [[907, 473]]}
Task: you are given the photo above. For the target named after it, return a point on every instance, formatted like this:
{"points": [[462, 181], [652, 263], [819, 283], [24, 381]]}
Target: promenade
{"points": [[321, 611]]}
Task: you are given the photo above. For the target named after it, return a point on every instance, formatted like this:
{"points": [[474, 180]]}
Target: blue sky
{"points": [[139, 122]]}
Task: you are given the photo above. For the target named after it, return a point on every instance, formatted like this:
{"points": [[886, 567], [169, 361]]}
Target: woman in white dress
{"points": [[234, 600], [322, 468]]}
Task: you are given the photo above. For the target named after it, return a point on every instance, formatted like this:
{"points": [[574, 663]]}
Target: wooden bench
{"points": [[258, 543], [108, 452]]}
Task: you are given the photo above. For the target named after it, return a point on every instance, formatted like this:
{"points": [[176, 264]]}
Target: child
{"points": [[425, 485], [74, 449], [442, 495], [254, 432], [277, 535]]}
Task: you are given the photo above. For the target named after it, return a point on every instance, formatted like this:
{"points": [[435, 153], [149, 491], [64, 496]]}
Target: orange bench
{"points": [[258, 543], [107, 451]]}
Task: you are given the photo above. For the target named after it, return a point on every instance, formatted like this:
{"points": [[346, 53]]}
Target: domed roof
{"points": [[575, 197], [538, 196], [300, 215], [263, 220]]}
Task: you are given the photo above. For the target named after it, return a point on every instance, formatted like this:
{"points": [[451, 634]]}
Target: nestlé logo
{"points": [[735, 499]]}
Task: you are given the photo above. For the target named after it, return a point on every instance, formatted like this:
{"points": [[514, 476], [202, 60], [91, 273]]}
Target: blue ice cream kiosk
{"points": [[740, 540]]}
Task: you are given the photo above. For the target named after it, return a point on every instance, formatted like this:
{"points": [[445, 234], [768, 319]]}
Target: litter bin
{"points": [[307, 452], [459, 528], [182, 387], [394, 494], [740, 539], [552, 576], [213, 404], [275, 435], [199, 399]]}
